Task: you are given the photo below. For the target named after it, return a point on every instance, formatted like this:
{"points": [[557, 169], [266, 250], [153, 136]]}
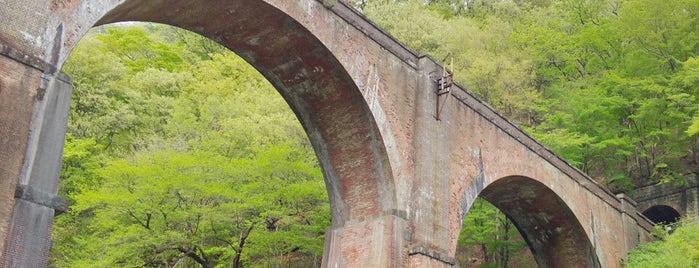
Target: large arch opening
{"points": [[662, 214], [550, 229], [315, 85], [174, 136], [313, 82]]}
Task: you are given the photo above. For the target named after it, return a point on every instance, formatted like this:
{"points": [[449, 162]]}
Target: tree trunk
{"points": [[694, 149], [241, 244], [484, 251]]}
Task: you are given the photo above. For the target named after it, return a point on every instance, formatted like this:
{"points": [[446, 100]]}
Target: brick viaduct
{"points": [[400, 181]]}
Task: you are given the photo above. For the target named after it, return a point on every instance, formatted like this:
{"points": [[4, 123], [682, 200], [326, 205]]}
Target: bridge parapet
{"points": [[634, 223]]}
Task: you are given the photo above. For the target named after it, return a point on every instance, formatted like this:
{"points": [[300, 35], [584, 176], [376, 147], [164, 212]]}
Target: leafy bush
{"points": [[679, 249]]}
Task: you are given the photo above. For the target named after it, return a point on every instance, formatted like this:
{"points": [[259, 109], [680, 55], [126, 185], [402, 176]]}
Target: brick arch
{"points": [[553, 233], [319, 90], [662, 214]]}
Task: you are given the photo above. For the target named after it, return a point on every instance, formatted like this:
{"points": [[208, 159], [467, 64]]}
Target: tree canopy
{"points": [[679, 249]]}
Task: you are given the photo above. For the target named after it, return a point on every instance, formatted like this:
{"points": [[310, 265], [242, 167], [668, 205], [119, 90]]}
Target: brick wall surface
{"points": [[18, 84]]}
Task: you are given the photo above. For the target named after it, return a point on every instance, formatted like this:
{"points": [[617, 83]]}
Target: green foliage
{"points": [[139, 49], [124, 86], [694, 127], [165, 205], [81, 161], [680, 249]]}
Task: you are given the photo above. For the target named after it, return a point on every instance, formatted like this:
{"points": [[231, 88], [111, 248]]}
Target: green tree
{"points": [[680, 249], [660, 36], [124, 84], [488, 238], [82, 159]]}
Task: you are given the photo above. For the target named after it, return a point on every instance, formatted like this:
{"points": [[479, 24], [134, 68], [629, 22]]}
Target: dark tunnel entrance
{"points": [[662, 214]]}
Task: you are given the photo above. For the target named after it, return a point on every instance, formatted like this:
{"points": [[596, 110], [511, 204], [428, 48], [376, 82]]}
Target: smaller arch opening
{"points": [[662, 214], [551, 230]]}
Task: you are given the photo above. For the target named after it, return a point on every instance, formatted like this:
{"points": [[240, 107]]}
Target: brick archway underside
{"points": [[315, 85], [549, 227]]}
